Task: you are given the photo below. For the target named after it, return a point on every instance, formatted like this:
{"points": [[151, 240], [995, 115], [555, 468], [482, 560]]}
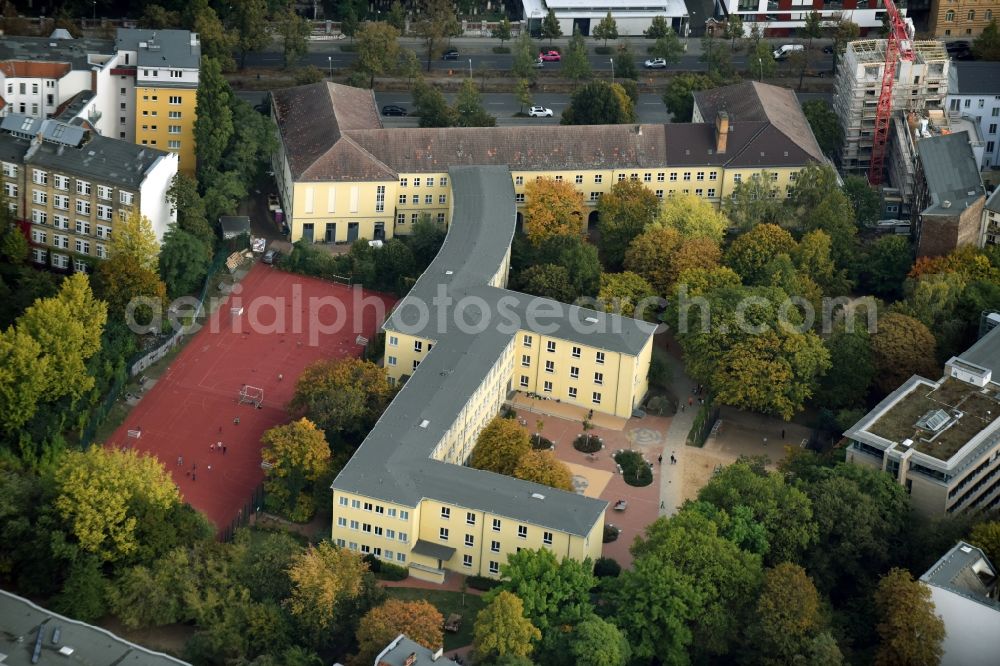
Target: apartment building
{"points": [[778, 18], [141, 87], [921, 86], [341, 176], [461, 343], [964, 589], [989, 232], [631, 17], [974, 91], [69, 186], [940, 438], [961, 18]]}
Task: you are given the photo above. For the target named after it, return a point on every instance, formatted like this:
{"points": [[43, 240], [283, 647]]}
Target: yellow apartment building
{"points": [[341, 176], [458, 343], [163, 94], [70, 187]]}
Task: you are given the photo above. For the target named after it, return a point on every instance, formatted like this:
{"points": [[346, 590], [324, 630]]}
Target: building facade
{"points": [[68, 187], [974, 91], [782, 17], [342, 177], [989, 232], [631, 17], [940, 439], [961, 18]]}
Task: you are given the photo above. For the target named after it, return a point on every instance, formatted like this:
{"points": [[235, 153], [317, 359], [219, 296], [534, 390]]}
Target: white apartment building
{"points": [[781, 17], [990, 230], [974, 90], [631, 17]]}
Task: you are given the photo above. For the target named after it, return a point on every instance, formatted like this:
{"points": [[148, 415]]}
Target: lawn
{"points": [[446, 603]]}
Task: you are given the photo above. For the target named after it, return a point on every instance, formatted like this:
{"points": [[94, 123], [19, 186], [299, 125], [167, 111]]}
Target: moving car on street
{"points": [[393, 110], [550, 56], [539, 112], [656, 63], [450, 54]]}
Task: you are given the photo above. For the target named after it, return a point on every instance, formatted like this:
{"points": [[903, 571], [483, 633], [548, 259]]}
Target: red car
{"points": [[550, 56]]}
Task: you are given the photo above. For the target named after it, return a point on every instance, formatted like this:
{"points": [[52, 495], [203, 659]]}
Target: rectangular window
{"points": [[442, 199], [598, 377], [687, 175], [576, 352], [659, 194], [547, 387], [547, 538], [711, 193], [519, 180], [598, 178], [61, 201], [416, 182], [496, 524], [125, 198], [82, 207], [470, 518], [550, 346], [572, 392], [366, 527], [390, 534], [550, 366], [596, 398], [38, 255], [558, 179], [469, 540], [440, 218], [366, 549], [594, 196], [524, 381], [174, 115], [82, 187], [342, 522], [103, 232], [60, 261], [578, 178], [522, 531], [355, 525], [713, 175], [737, 178], [403, 537], [104, 192], [400, 557], [466, 560], [173, 129], [519, 197], [526, 340], [673, 177], [102, 251], [495, 546], [38, 236], [404, 514], [379, 198], [494, 567], [39, 217], [61, 182], [343, 501], [402, 199], [445, 512], [660, 176], [400, 218], [416, 364], [698, 191], [378, 531], [444, 181], [82, 227], [443, 534], [39, 197], [368, 506], [418, 346], [574, 372], [103, 212], [393, 341], [621, 177], [700, 175], [525, 361], [355, 504], [174, 99]]}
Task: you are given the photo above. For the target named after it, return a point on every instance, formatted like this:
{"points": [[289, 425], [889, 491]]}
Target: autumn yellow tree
{"points": [[323, 576], [342, 396], [753, 251], [901, 347], [650, 254], [544, 468], [131, 270], [419, 620], [502, 630], [552, 208], [106, 495], [909, 627], [500, 446], [693, 217], [296, 455], [987, 536], [624, 213], [622, 292]]}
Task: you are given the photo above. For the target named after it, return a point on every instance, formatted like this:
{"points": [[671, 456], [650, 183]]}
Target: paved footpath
{"points": [[675, 443]]}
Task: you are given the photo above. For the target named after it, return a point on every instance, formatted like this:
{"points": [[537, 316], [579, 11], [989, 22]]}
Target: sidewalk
{"points": [[675, 443]]}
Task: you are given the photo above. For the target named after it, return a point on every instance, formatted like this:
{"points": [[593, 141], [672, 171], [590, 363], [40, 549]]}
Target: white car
{"points": [[656, 63], [539, 112]]}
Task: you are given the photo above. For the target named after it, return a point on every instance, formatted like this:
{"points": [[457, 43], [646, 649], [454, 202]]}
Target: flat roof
{"points": [[162, 48], [75, 52], [951, 172], [985, 352], [394, 462], [976, 78], [21, 619], [101, 158]]}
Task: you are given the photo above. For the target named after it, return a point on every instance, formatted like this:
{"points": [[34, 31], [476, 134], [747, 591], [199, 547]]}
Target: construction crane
{"points": [[898, 47]]}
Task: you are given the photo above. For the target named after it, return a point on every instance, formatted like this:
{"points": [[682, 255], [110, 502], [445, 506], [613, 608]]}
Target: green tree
{"points": [[552, 208], [597, 642], [502, 630], [469, 110], [523, 94], [156, 17], [500, 446], [865, 200], [13, 244], [718, 59], [886, 264], [578, 257], [657, 28], [130, 271], [575, 64], [24, 378], [599, 103], [668, 46], [782, 510], [397, 16], [606, 29], [788, 616], [693, 217], [294, 31], [437, 23], [83, 594], [812, 27], [250, 24], [431, 106], [502, 31], [349, 22], [910, 630], [622, 292], [297, 456], [901, 347], [108, 498], [623, 213], [549, 281], [261, 560], [419, 620], [813, 258], [217, 43], [750, 253], [760, 62], [987, 45], [847, 381], [651, 256], [378, 50], [213, 125], [625, 63], [678, 96], [843, 31], [544, 468], [987, 536], [825, 125], [553, 592], [192, 217], [184, 261], [342, 395], [734, 30], [550, 26], [525, 54], [323, 576], [754, 201]]}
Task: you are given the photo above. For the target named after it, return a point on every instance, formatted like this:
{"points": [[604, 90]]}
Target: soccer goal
{"points": [[252, 395], [342, 279]]}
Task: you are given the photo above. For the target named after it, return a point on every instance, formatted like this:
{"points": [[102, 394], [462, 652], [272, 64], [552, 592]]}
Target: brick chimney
{"points": [[721, 131]]}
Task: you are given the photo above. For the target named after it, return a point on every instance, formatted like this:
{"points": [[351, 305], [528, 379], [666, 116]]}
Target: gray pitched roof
{"points": [[163, 48], [21, 619], [985, 352], [993, 203], [393, 463], [44, 49], [976, 78], [949, 167], [965, 570], [104, 159], [397, 652]]}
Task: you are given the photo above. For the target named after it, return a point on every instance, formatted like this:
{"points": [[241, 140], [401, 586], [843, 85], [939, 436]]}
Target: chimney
{"points": [[721, 132]]}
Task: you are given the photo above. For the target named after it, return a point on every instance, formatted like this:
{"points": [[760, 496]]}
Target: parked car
{"points": [[539, 112], [393, 110], [270, 256], [786, 50], [550, 56], [539, 63], [656, 63], [450, 54], [828, 49], [958, 45]]}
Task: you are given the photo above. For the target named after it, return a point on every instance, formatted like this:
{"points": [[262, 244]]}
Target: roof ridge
{"points": [[345, 136]]}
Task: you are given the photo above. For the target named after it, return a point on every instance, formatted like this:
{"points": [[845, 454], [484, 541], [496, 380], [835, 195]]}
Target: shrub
{"points": [[541, 443], [635, 469], [588, 443], [607, 567], [611, 533], [482, 583], [501, 49], [390, 571], [604, 50], [508, 412]]}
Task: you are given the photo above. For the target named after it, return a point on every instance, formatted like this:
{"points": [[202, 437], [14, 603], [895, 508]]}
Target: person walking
{"points": [[659, 459]]}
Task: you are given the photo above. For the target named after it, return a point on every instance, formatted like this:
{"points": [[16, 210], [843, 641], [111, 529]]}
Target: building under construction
{"points": [[920, 84]]}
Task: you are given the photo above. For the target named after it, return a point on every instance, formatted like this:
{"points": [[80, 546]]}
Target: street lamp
{"points": [[470, 68], [612, 60], [95, 9], [329, 59]]}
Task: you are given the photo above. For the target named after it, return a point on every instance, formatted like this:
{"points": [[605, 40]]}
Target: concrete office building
{"points": [[974, 92], [940, 438]]}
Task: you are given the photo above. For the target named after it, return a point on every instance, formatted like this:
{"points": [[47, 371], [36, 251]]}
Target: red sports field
{"points": [[283, 328]]}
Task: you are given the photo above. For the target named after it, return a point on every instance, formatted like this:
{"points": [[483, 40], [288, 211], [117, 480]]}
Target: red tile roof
{"points": [[26, 69]]}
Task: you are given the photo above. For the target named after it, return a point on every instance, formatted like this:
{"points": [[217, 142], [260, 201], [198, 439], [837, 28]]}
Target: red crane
{"points": [[898, 47]]}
